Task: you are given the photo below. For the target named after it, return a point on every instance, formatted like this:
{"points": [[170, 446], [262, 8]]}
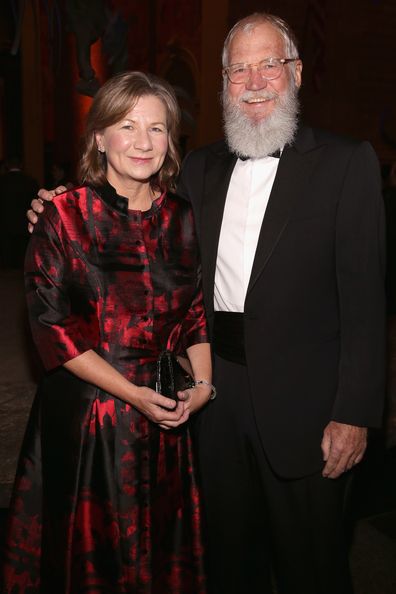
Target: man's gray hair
{"points": [[257, 18]]}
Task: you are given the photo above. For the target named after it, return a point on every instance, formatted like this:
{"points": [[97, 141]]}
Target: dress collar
{"points": [[120, 203]]}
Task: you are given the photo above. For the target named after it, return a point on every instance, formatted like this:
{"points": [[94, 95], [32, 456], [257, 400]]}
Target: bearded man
{"points": [[291, 230], [293, 266]]}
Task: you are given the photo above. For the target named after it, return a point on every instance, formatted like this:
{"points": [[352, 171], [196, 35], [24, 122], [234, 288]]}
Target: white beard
{"points": [[260, 138]]}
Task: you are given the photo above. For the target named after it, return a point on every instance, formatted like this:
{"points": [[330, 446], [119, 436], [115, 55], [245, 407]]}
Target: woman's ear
{"points": [[99, 142]]}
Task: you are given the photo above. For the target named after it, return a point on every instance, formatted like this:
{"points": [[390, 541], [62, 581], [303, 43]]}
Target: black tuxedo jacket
{"points": [[315, 306]]}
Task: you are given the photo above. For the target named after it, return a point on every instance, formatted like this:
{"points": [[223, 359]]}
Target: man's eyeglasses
{"points": [[270, 68]]}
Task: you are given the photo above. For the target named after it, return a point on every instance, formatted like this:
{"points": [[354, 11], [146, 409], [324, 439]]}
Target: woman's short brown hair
{"points": [[110, 105]]}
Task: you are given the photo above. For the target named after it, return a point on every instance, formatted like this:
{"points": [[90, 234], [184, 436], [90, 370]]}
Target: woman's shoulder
{"points": [[74, 200], [73, 196], [67, 206]]}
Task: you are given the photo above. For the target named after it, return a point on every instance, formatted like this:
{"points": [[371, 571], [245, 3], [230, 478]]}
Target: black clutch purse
{"points": [[173, 376]]}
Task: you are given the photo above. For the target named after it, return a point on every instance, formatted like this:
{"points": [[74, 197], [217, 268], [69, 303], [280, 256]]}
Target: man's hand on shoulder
{"points": [[343, 446], [38, 204]]}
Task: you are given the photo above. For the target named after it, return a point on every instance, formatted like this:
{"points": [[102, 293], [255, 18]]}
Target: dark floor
{"points": [[373, 507]]}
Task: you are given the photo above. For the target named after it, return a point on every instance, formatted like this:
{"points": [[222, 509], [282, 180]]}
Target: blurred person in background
{"points": [[17, 189]]}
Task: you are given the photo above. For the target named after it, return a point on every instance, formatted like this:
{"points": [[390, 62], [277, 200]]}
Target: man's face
{"points": [[264, 41]]}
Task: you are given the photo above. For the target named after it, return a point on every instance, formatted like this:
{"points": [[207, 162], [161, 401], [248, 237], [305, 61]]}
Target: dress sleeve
{"points": [[194, 325], [62, 312]]}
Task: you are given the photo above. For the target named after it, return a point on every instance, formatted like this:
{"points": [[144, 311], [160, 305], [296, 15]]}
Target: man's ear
{"points": [[298, 73]]}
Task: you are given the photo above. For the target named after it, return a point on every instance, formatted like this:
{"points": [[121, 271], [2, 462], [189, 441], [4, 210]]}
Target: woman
{"points": [[105, 498]]}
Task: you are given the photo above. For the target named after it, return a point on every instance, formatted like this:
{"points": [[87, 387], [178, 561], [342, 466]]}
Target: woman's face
{"points": [[136, 146]]}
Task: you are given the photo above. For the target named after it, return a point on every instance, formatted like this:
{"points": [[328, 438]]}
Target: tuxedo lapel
{"points": [[291, 180], [217, 178]]}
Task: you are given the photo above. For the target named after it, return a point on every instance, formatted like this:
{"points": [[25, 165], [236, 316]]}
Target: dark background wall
{"points": [[348, 49]]}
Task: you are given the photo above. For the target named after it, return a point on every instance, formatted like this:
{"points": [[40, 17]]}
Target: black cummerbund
{"points": [[228, 336]]}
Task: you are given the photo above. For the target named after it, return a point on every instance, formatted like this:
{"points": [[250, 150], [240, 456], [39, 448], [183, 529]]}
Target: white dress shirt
{"points": [[247, 198]]}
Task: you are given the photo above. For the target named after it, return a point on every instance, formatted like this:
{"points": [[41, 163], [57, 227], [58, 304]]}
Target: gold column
{"points": [[214, 29], [32, 106]]}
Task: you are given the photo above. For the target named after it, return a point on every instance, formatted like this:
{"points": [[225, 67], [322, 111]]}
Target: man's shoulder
{"points": [[321, 136], [336, 154]]}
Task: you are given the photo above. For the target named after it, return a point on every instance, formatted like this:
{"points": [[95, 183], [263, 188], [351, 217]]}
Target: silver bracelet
{"points": [[213, 392]]}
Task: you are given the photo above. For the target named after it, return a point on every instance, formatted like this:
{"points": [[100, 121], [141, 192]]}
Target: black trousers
{"points": [[259, 525]]}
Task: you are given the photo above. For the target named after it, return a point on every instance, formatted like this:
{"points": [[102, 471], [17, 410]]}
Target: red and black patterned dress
{"points": [[104, 500]]}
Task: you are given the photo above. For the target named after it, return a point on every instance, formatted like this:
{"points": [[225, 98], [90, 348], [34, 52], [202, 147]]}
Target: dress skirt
{"points": [[104, 500]]}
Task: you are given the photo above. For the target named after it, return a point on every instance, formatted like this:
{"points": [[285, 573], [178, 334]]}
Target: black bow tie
{"points": [[276, 155]]}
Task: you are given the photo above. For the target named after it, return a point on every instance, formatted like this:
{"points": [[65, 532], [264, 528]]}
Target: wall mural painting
{"points": [[91, 20]]}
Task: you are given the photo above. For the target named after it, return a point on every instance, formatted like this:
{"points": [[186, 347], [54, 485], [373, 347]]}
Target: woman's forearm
{"points": [[93, 369], [201, 362]]}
